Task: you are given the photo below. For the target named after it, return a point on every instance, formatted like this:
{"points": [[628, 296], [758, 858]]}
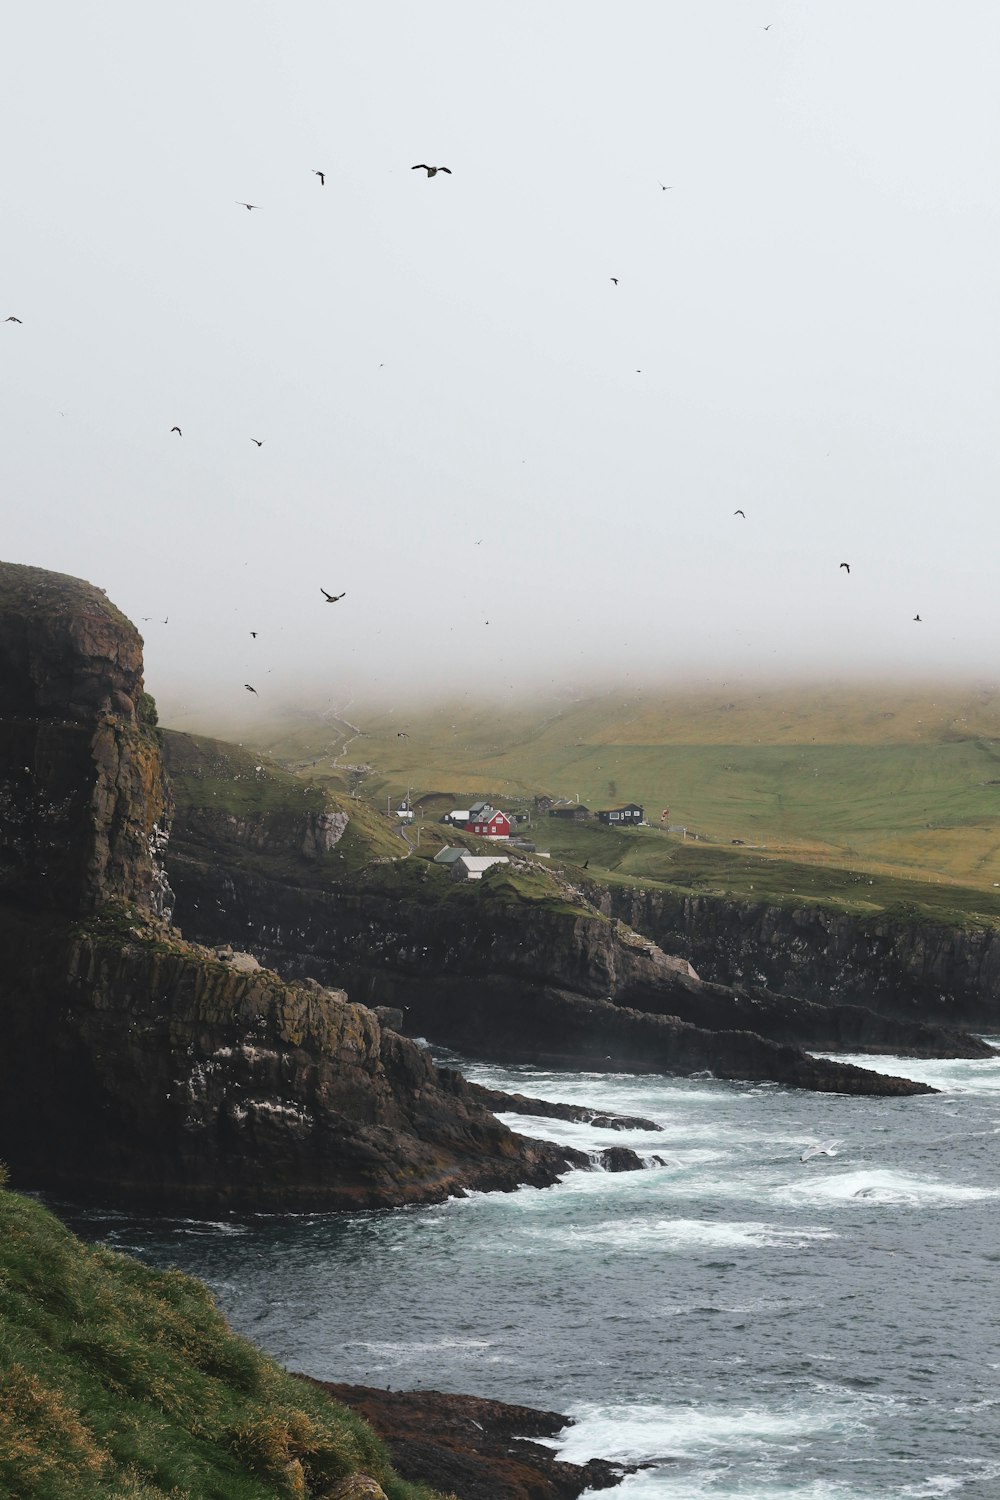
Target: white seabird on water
{"points": [[824, 1148]]}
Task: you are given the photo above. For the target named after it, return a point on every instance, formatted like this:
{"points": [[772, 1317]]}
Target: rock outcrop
{"points": [[474, 1448], [898, 964], [82, 793], [135, 1067], [499, 975]]}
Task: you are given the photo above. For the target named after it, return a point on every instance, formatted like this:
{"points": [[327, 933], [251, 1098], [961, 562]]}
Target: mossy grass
{"points": [[120, 1381], [218, 781]]}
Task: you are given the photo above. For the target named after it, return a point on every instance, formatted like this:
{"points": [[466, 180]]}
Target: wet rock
{"points": [[620, 1159], [521, 1104], [473, 1448]]}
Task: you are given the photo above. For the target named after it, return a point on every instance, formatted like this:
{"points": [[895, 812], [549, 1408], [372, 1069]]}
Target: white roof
{"points": [[482, 861]]}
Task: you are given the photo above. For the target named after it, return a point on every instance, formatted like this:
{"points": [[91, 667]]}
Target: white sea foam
{"points": [[416, 1346], [210, 1226], [686, 1234], [646, 1433], [950, 1075], [875, 1186]]}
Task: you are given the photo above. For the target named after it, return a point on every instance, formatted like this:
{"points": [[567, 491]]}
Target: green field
{"points": [[897, 787]]}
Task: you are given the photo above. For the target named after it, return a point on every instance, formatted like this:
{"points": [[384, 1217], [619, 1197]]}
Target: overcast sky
{"points": [[463, 418]]}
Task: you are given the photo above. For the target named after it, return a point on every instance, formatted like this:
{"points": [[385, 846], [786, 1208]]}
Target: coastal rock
{"points": [[520, 1104], [83, 801], [473, 1448], [138, 1068], [552, 982], [898, 964], [620, 1159]]}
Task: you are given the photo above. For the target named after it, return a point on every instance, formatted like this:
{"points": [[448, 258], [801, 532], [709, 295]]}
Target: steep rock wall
{"points": [[82, 793], [134, 1067], [498, 979], [900, 967]]}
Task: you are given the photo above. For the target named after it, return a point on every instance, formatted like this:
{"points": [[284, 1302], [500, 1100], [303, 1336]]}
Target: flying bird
{"points": [[614, 279], [431, 171], [740, 513], [917, 618], [177, 430], [667, 186], [401, 734], [847, 566], [321, 176], [12, 319], [250, 689], [247, 206], [258, 441], [824, 1148], [331, 598], [254, 634]]}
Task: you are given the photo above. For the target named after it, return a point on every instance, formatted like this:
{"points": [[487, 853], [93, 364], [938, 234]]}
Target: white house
{"points": [[474, 866]]}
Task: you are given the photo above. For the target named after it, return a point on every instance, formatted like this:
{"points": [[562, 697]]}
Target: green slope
{"points": [[900, 783], [116, 1380]]}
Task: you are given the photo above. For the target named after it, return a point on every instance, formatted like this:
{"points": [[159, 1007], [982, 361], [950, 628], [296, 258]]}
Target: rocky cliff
{"points": [[892, 963], [518, 967], [82, 792], [137, 1067]]}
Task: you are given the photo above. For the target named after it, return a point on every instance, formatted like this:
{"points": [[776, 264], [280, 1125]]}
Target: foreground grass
{"points": [[119, 1381]]}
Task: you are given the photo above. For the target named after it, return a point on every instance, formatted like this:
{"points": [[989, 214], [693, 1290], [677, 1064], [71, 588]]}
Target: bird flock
{"points": [[431, 171]]}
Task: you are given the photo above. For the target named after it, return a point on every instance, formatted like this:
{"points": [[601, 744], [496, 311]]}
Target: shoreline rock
{"points": [[472, 1447]]}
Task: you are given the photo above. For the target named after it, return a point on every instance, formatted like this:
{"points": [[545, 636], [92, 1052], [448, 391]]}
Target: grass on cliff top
{"points": [[120, 1381], [27, 590], [646, 856], [228, 778], [215, 777], [422, 881]]}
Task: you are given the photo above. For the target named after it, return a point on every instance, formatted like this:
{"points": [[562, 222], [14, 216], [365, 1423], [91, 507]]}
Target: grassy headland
{"points": [[117, 1380]]}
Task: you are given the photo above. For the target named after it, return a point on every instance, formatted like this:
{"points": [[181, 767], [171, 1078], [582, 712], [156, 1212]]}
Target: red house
{"points": [[489, 824]]}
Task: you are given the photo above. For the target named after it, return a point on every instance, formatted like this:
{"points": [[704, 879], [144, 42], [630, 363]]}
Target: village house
{"points": [[630, 813], [488, 824], [573, 812]]}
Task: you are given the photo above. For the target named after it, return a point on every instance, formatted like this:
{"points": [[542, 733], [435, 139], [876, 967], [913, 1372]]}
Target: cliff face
{"points": [[519, 980], [82, 793], [895, 966], [136, 1067]]}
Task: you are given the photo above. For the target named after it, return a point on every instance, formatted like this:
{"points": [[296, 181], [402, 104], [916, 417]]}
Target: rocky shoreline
{"points": [[472, 1448]]}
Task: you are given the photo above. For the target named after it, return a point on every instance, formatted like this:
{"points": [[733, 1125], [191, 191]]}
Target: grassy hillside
{"points": [[118, 1381], [891, 783], [214, 776]]}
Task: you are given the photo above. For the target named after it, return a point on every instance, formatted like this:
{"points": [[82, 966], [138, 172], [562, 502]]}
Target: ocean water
{"points": [[743, 1323]]}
